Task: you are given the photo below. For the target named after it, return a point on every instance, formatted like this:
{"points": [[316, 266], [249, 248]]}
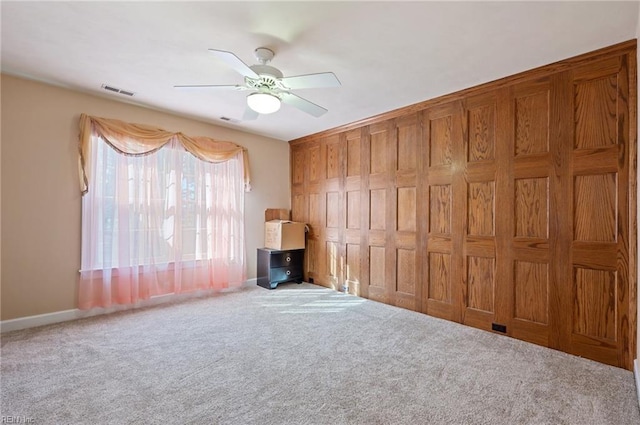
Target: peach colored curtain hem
{"points": [[131, 285], [140, 139]]}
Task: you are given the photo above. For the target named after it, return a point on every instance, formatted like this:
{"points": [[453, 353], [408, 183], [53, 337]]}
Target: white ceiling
{"points": [[386, 54]]}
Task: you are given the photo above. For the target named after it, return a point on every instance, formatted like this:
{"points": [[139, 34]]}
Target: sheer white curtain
{"points": [[159, 223]]}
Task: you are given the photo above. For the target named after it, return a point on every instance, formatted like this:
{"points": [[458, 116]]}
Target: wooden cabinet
{"points": [[510, 207], [276, 267]]}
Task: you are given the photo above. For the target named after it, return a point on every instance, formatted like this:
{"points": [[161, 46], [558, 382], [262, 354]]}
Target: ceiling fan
{"points": [[268, 86]]}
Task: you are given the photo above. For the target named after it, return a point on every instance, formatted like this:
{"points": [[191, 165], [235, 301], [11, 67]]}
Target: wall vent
{"points": [[117, 90]]}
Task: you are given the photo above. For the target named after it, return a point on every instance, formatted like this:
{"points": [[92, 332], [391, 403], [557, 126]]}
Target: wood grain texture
{"points": [[353, 153], [352, 273], [480, 209], [376, 266], [441, 141], [353, 209], [595, 208], [407, 147], [298, 163], [539, 211], [406, 209], [377, 208], [482, 133], [298, 208], [531, 291], [332, 262], [333, 158], [480, 283], [313, 163], [594, 313], [406, 268], [440, 277], [378, 153], [596, 114], [532, 208], [532, 123], [333, 209], [512, 202], [440, 209], [315, 217]]}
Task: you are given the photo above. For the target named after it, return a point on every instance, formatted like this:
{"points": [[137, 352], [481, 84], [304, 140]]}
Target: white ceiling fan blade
{"points": [[309, 81], [303, 104], [249, 114], [234, 62], [212, 86]]}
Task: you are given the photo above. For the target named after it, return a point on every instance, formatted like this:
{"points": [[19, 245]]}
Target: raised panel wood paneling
{"points": [[353, 209], [406, 209], [480, 211], [604, 233], [377, 208], [480, 283], [594, 313], [332, 259], [378, 155], [333, 159], [314, 164], [315, 210], [441, 141], [511, 203], [333, 209], [595, 209], [376, 266], [311, 255], [353, 155], [535, 197], [532, 207], [440, 277], [353, 268], [440, 209], [298, 164], [596, 112], [406, 271], [407, 148], [532, 123], [531, 291], [481, 127], [298, 208]]}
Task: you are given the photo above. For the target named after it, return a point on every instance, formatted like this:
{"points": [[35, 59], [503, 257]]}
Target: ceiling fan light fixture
{"points": [[263, 103]]}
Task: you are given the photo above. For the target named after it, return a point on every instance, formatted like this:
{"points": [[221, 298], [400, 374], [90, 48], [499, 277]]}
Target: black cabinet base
{"points": [[276, 267], [274, 285]]}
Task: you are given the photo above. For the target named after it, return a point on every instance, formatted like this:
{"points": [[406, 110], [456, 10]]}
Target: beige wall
{"points": [[40, 197]]}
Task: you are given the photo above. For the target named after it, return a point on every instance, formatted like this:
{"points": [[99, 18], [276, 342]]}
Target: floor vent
{"points": [[117, 90], [499, 328]]}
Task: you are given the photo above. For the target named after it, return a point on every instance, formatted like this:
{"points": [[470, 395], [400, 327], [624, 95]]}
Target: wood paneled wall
{"points": [[511, 203]]}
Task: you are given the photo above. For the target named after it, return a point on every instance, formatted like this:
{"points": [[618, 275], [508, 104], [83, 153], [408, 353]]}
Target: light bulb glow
{"points": [[263, 103]]}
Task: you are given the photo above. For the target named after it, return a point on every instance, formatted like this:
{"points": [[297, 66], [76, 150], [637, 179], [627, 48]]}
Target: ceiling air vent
{"points": [[117, 90]]}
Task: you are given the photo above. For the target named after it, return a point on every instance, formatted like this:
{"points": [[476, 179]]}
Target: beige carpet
{"points": [[299, 354]]}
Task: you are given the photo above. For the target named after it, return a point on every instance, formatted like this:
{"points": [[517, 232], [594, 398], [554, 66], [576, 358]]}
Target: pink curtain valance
{"points": [[140, 139]]}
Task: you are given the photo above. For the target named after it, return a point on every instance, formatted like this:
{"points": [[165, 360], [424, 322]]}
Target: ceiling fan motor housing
{"points": [[264, 55], [266, 70], [269, 79]]}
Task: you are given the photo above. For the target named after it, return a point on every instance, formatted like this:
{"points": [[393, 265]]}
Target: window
{"points": [[161, 222]]}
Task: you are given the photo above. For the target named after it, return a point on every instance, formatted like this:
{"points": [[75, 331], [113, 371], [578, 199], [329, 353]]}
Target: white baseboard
{"points": [[636, 373], [66, 315]]}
